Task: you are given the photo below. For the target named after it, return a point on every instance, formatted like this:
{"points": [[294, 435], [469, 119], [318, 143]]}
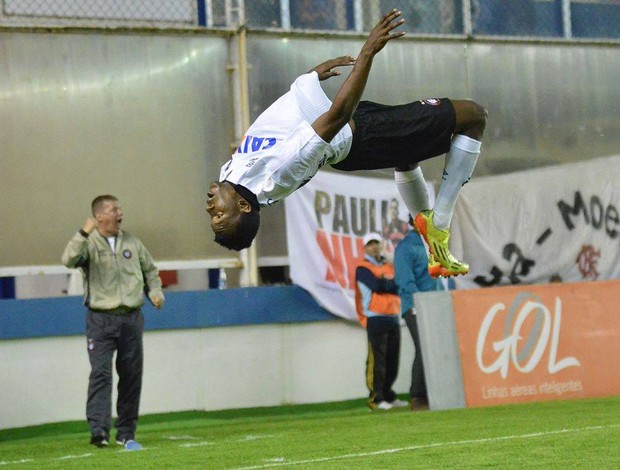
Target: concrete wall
{"points": [[45, 379], [206, 350]]}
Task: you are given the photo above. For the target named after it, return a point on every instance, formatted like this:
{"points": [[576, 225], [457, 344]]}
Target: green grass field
{"points": [[562, 434]]}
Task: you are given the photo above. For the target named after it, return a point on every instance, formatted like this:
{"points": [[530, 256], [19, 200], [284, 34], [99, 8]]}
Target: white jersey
{"points": [[281, 151]]}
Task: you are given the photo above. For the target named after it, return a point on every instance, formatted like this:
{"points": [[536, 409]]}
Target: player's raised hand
{"points": [[382, 32], [90, 225], [326, 69]]}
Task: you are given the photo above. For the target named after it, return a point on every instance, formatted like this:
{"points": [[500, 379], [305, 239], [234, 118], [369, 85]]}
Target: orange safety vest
{"points": [[382, 303]]}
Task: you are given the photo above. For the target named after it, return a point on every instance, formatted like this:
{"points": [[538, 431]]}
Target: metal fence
{"points": [[530, 19]]}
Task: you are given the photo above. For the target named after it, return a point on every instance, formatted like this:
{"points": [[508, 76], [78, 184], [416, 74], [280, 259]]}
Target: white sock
{"points": [[413, 190], [460, 163]]}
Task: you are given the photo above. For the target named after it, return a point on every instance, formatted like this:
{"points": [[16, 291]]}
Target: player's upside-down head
{"points": [[233, 219]]}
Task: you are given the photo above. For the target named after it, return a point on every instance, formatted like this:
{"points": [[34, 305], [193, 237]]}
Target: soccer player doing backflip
{"points": [[303, 130]]}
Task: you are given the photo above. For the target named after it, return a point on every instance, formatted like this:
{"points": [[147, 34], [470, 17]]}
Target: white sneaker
{"points": [[400, 403], [384, 405]]}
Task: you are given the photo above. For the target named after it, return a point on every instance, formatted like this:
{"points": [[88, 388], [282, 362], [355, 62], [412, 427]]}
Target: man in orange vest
{"points": [[378, 310]]}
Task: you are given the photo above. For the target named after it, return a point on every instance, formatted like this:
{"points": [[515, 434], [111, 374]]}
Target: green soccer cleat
{"points": [[437, 241]]}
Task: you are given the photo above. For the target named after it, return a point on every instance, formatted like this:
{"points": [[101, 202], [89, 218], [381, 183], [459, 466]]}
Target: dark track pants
{"points": [[418, 383], [383, 356], [107, 333]]}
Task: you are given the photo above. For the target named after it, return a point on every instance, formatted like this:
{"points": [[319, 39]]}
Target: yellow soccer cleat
{"points": [[437, 241], [435, 269]]}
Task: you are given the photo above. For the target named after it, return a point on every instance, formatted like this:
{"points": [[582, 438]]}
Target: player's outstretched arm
{"points": [[350, 93], [326, 69]]}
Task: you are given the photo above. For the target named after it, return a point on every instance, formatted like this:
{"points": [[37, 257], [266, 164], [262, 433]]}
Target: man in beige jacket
{"points": [[116, 268]]}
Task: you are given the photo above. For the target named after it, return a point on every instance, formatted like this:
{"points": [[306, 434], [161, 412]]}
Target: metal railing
{"points": [[524, 19]]}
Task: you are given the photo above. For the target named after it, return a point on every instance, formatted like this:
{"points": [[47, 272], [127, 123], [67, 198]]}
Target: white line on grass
{"points": [[66, 457], [12, 462], [253, 437], [429, 446], [69, 457], [197, 444]]}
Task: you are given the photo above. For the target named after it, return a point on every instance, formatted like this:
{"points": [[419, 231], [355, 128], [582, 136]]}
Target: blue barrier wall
{"points": [[200, 309]]}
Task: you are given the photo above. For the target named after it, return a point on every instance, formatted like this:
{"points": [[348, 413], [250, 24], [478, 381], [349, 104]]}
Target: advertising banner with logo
{"points": [[325, 223], [531, 227], [539, 343]]}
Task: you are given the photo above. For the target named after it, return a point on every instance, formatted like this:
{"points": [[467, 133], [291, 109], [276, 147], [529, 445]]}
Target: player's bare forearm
{"points": [[350, 93]]}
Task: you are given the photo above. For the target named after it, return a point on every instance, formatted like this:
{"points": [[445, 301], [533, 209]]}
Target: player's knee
{"points": [[478, 120], [471, 118], [481, 114], [406, 167]]}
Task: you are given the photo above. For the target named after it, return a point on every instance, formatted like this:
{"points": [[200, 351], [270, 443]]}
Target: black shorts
{"points": [[396, 136]]}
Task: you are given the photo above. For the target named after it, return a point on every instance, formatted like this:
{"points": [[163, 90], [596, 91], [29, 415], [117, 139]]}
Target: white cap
{"points": [[372, 236]]}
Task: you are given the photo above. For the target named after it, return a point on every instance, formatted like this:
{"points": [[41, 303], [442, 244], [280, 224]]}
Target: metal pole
{"points": [[249, 273], [209, 13], [358, 15], [468, 27], [566, 19], [285, 14]]}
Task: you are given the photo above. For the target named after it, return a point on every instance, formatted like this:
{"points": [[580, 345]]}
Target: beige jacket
{"points": [[113, 280]]}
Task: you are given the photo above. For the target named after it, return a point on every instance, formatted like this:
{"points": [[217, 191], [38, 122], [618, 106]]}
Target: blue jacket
{"points": [[411, 264]]}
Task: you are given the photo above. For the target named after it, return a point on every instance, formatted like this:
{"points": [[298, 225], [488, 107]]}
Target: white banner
{"points": [[325, 223], [559, 223]]}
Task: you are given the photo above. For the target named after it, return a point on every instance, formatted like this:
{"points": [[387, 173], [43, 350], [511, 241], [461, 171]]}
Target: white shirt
{"points": [[280, 151], [112, 243]]}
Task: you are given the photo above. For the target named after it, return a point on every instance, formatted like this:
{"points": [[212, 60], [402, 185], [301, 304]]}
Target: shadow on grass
{"points": [[81, 427]]}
